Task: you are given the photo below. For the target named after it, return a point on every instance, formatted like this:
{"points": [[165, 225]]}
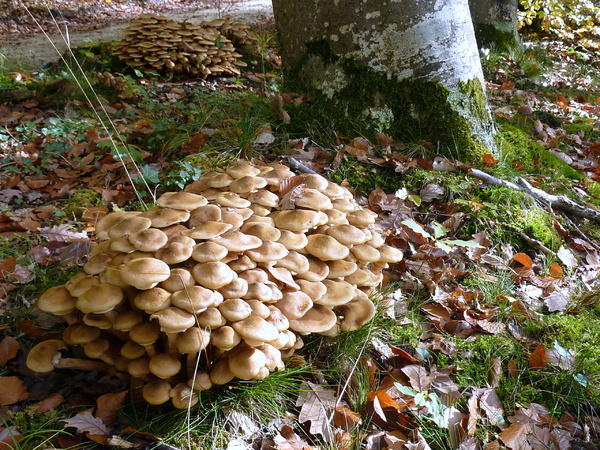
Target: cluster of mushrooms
{"points": [[219, 281], [158, 44]]}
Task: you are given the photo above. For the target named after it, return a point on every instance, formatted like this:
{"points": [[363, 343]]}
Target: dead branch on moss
{"points": [[560, 202]]}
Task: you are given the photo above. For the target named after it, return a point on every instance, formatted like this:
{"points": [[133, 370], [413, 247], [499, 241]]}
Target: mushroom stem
{"points": [[70, 318], [172, 344], [79, 364], [191, 362]]}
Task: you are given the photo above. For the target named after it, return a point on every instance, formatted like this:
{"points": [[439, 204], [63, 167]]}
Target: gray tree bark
{"points": [[495, 23], [407, 67]]}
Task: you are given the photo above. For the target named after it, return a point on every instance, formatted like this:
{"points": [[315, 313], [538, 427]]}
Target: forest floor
{"points": [[487, 333]]}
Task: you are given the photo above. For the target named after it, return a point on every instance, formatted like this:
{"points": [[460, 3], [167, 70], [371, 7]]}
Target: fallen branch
{"points": [[560, 202]]}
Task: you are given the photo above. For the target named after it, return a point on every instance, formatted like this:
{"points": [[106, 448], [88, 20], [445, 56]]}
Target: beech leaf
{"points": [[61, 233], [316, 403], [9, 347], [86, 423], [12, 390], [108, 405]]}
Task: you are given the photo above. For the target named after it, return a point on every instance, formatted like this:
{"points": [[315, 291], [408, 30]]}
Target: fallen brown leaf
{"points": [[12, 390], [9, 347], [108, 406], [48, 404], [538, 359]]}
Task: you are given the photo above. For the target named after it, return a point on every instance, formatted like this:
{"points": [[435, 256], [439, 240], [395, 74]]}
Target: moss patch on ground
{"points": [[519, 151]]}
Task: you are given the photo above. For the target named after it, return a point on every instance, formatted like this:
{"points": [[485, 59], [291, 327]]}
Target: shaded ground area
{"points": [[38, 38]]}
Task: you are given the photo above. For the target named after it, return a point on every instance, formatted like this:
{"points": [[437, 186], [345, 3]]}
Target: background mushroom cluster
{"points": [[158, 44], [219, 281]]}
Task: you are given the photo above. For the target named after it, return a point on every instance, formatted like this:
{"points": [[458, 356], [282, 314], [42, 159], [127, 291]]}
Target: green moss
{"points": [[360, 101], [366, 177], [589, 132], [506, 213], [82, 200], [518, 150]]}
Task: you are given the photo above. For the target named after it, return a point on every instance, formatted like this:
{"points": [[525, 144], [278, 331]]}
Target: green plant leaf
{"points": [[416, 227], [405, 390]]}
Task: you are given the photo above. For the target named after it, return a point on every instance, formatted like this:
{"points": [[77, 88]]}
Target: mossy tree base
{"points": [[416, 76]]}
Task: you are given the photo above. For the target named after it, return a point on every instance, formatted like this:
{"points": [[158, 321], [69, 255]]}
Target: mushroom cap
{"points": [[318, 319], [264, 198], [173, 319], [139, 367], [269, 251], [179, 279], [100, 321], [164, 365], [153, 300], [341, 268], [176, 251], [361, 217], [100, 299], [241, 170], [126, 320], [156, 392], [206, 213], [236, 241], [294, 304], [232, 199], [132, 350], [314, 289], [84, 284], [297, 219], [145, 273], [111, 219], [294, 262], [145, 333], [193, 340], [283, 275], [213, 275], [211, 318], [148, 240], [97, 348], [365, 253], [336, 217], [318, 270], [194, 299], [208, 230], [293, 240], [208, 252], [235, 309], [165, 217], [182, 396], [225, 338], [255, 329], [40, 358], [326, 248], [315, 181], [259, 308], [247, 184], [181, 200], [236, 289], [313, 199], [390, 254], [347, 234], [263, 231], [220, 373], [337, 293], [57, 300], [355, 313], [128, 226], [245, 363]]}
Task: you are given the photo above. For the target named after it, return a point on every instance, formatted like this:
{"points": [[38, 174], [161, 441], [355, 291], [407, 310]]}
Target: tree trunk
{"points": [[406, 67], [495, 23]]}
